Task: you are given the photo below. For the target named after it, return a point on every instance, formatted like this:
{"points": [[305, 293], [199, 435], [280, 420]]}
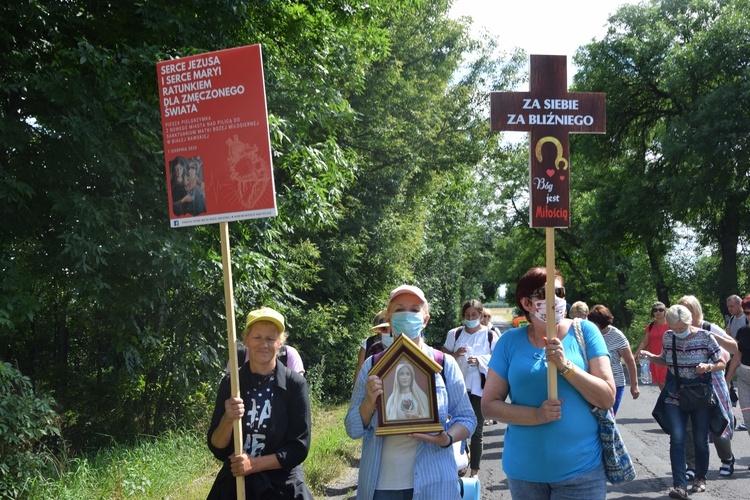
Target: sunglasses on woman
{"points": [[541, 293], [658, 310]]}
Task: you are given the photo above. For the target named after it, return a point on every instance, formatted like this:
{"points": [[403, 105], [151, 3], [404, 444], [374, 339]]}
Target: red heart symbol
{"points": [[550, 172], [562, 177]]}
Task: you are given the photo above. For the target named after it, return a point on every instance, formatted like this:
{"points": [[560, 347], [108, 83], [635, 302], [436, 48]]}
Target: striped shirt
{"points": [[616, 341]]}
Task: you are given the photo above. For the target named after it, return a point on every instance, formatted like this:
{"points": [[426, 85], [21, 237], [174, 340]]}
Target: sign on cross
{"points": [[549, 112]]}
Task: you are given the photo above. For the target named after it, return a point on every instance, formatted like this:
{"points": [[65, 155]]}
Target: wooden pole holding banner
{"points": [[234, 376], [230, 149], [551, 324]]}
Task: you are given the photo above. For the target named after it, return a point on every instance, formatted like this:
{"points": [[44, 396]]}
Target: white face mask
{"points": [[540, 309]]}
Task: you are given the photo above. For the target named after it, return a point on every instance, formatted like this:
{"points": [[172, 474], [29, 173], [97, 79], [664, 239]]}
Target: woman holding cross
{"points": [[552, 447]]}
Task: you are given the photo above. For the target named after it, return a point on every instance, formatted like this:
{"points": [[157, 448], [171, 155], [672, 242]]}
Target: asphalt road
{"points": [[646, 443], [648, 447]]}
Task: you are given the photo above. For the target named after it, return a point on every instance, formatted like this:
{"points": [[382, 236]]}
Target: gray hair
{"points": [[734, 298], [678, 313]]}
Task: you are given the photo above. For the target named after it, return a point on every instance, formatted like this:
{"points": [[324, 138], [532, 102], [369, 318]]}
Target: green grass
{"points": [[178, 465], [331, 449]]}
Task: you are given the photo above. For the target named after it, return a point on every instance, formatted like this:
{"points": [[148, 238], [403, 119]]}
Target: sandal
{"points": [[690, 474], [699, 486], [727, 467], [679, 493]]}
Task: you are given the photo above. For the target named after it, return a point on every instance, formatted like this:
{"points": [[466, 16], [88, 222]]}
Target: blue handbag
{"points": [[617, 464]]}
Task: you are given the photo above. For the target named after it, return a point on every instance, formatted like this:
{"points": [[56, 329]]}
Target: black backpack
{"points": [[368, 343], [490, 338]]}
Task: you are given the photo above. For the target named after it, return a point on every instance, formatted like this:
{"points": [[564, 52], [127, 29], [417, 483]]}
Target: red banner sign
{"points": [[217, 149]]}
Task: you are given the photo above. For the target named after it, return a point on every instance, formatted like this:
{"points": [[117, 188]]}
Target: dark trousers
{"points": [[475, 447]]}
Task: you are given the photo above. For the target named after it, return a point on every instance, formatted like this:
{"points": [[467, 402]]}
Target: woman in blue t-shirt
{"points": [[552, 446]]}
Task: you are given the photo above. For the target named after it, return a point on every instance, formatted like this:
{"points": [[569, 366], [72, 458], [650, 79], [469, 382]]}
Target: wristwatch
{"points": [[450, 443], [568, 370]]}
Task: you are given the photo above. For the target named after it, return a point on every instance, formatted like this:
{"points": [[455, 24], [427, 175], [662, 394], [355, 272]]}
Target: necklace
{"points": [[532, 337]]}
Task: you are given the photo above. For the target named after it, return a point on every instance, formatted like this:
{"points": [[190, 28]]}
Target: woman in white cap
{"points": [[275, 412], [419, 466]]}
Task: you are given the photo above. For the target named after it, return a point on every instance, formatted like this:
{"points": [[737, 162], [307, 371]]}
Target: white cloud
{"points": [[549, 27]]}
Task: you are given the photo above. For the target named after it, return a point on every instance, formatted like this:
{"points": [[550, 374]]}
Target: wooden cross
{"points": [[550, 113]]}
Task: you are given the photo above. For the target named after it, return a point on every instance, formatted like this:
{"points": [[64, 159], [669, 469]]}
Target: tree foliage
{"points": [[676, 79], [376, 146]]}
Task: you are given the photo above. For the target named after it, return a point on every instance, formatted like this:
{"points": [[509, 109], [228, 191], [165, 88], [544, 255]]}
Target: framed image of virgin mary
{"points": [[409, 401]]}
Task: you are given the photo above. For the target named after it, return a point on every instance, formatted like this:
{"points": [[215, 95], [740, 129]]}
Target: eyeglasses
{"points": [[658, 310], [746, 311], [486, 316], [541, 293]]}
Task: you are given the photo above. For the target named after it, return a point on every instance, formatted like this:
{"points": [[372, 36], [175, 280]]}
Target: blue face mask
{"points": [[471, 323], [682, 335], [408, 323], [387, 340]]}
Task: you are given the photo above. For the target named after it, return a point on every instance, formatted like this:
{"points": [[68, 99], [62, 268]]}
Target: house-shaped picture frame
{"points": [[409, 400]]}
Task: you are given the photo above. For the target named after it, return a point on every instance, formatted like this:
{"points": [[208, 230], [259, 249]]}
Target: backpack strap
{"points": [[439, 358], [282, 355], [650, 326], [579, 338], [376, 357], [457, 333], [370, 340], [241, 354]]}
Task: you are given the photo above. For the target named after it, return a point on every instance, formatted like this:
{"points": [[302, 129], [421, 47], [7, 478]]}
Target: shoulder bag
{"points": [[617, 463], [693, 396]]}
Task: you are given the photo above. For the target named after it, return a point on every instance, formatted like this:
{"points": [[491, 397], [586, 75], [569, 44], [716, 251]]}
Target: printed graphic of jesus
{"points": [[408, 400]]}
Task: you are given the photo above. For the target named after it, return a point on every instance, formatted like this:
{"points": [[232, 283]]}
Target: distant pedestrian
{"points": [[619, 348], [728, 346], [652, 340], [578, 310], [379, 327], [740, 365], [471, 345]]}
